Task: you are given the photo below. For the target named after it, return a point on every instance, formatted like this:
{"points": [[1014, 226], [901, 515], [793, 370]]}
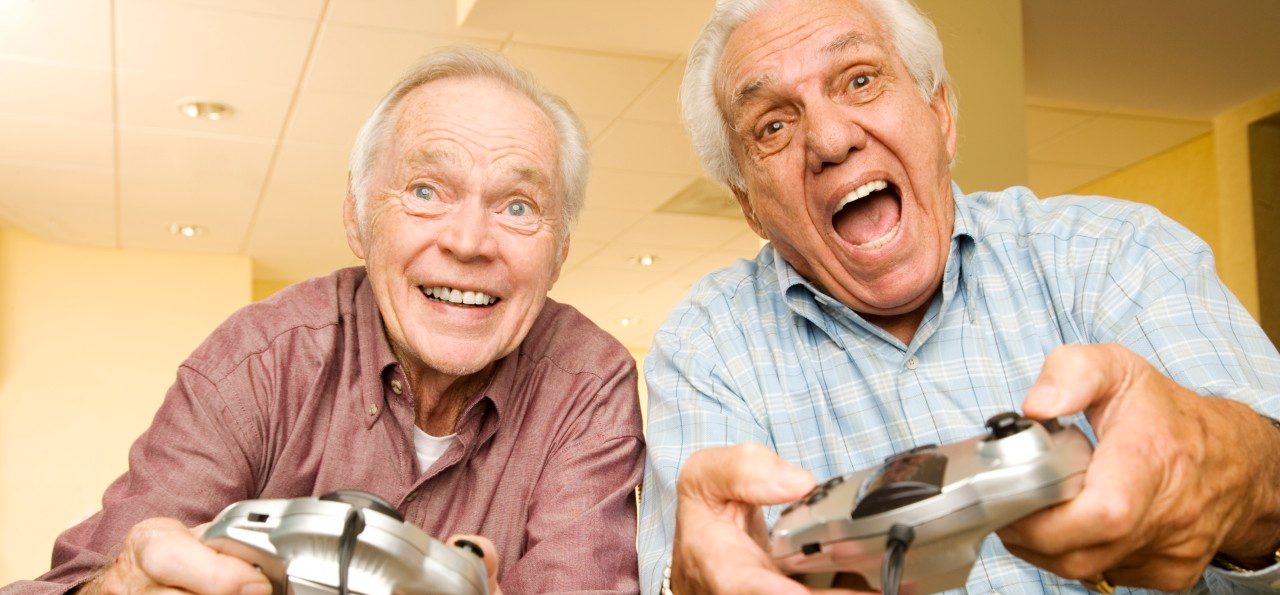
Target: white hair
{"points": [[463, 62], [913, 35]]}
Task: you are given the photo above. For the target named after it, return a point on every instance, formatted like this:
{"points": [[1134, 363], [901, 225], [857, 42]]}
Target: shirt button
{"points": [[373, 410], [411, 497], [396, 387], [912, 363]]}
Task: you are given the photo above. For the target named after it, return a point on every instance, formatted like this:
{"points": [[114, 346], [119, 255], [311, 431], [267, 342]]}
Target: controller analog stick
{"points": [[1003, 425], [364, 500]]}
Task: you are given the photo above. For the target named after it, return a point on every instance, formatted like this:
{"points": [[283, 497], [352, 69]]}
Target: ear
{"points": [[564, 255], [745, 203], [946, 123], [351, 221]]}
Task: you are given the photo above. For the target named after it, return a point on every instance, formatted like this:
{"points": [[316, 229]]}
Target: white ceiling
{"points": [[93, 150]]}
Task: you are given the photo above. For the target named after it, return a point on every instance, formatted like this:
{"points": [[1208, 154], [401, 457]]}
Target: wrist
{"points": [[1254, 541]]}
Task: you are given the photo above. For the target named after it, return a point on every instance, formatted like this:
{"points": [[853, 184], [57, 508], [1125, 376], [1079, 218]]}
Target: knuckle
{"points": [[1116, 519], [1077, 565]]}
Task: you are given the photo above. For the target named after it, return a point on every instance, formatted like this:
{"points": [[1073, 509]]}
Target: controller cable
{"points": [[900, 536], [351, 528]]}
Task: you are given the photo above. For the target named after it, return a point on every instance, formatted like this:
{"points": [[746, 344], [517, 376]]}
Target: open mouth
{"points": [[457, 297], [869, 215]]}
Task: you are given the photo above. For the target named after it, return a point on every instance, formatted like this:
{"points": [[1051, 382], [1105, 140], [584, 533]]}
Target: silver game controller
{"points": [[343, 542], [935, 503]]}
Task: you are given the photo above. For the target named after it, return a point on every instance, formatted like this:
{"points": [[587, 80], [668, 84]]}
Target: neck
{"points": [[439, 398], [902, 326]]}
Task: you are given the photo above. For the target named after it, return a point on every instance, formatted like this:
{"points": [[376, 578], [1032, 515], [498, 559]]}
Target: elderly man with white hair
{"points": [[437, 376], [890, 310]]}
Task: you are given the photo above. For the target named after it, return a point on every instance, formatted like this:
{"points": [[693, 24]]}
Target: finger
{"points": [[1117, 494], [489, 555], [170, 555], [1075, 565], [198, 530], [749, 473], [1077, 378], [1163, 573], [761, 581]]}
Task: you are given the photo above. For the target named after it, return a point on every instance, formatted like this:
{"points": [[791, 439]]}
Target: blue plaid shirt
{"points": [[757, 353]]}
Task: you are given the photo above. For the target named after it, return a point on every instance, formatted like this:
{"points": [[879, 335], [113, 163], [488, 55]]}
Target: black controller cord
{"points": [[900, 536], [351, 529]]}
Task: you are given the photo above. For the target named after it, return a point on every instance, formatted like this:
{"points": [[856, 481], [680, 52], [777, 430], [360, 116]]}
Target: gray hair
{"points": [[463, 62], [914, 38]]}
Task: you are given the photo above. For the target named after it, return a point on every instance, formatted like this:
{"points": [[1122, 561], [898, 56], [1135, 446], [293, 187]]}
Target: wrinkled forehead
{"points": [[796, 37]]}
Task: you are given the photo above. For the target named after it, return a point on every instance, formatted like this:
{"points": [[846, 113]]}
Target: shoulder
{"points": [[727, 300], [564, 337], [312, 311], [1018, 213]]}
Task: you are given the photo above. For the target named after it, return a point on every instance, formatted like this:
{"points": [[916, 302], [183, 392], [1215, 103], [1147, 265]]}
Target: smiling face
{"points": [[462, 225], [846, 164]]}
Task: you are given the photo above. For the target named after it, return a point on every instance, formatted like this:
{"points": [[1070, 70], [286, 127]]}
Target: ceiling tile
{"points": [[595, 84], [431, 16], [56, 142], [660, 104], [681, 231], [627, 190], [147, 101], [308, 244], [170, 178], [48, 90], [303, 9], [595, 127], [579, 283], [183, 41], [331, 118], [1046, 123], [1052, 179], [366, 61], [622, 256], [68, 31], [649, 147], [307, 176], [603, 225], [580, 250], [61, 203], [1117, 141]]}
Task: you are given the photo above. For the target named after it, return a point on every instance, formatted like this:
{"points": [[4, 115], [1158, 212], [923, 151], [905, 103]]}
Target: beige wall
{"points": [[89, 342], [1237, 262], [1182, 182]]}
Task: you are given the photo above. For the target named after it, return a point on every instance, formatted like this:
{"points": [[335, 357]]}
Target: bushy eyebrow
{"points": [[852, 38], [432, 157], [531, 175], [839, 44]]}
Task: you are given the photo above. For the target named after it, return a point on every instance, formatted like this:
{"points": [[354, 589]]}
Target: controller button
{"points": [[810, 549], [833, 482], [364, 500], [893, 496], [816, 496], [1003, 425]]}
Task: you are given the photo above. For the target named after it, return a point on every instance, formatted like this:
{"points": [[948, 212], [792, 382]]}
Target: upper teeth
{"points": [[449, 294], [860, 192]]}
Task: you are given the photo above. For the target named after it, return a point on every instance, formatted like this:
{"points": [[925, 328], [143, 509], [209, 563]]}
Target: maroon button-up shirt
{"points": [[292, 397]]}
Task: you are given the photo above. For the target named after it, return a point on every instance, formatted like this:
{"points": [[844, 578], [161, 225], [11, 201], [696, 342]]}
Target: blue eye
{"points": [[518, 209], [773, 127], [860, 81], [425, 192]]}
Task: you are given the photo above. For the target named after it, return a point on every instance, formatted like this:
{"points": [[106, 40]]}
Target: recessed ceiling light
{"points": [[204, 110], [644, 260], [629, 321], [185, 230]]}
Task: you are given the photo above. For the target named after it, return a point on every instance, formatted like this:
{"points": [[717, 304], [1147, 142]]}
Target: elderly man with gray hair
{"points": [[438, 376], [890, 311]]}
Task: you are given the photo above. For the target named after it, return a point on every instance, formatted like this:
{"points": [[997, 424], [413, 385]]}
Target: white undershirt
{"points": [[430, 448]]}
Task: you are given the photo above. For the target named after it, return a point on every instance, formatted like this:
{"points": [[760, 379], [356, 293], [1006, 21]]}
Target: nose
{"points": [[832, 135], [468, 233]]}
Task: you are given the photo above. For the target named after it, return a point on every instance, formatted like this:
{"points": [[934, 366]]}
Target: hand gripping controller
{"points": [[940, 500], [343, 542]]}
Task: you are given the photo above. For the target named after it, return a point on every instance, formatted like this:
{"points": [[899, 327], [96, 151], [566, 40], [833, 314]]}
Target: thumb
{"points": [[483, 549], [1079, 378], [748, 473]]}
